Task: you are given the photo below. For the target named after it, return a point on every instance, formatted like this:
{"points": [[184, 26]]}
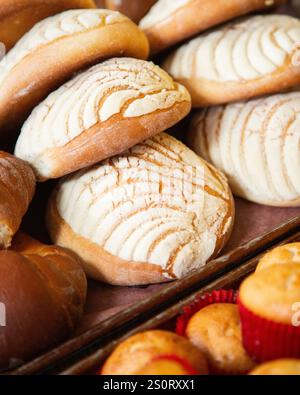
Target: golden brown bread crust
{"points": [[110, 269], [101, 265], [47, 67], [183, 24], [43, 289], [18, 16], [135, 352], [17, 186], [207, 93], [107, 139]]}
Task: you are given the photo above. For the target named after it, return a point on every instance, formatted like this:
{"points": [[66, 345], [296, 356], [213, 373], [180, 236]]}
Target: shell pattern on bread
{"points": [[256, 144], [241, 60], [57, 47], [152, 214], [18, 16], [100, 113], [171, 21], [17, 186]]}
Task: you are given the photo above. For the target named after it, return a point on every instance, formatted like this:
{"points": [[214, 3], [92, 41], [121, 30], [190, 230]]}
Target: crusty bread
{"points": [[256, 144], [135, 10], [242, 60], [150, 215], [100, 113], [18, 16], [17, 186], [43, 289], [171, 21], [138, 350], [57, 47]]}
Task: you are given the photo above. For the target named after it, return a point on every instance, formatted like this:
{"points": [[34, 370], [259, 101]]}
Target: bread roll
{"points": [[171, 21], [17, 186], [18, 16], [137, 351], [135, 10], [100, 113], [242, 60], [56, 48], [256, 144], [151, 215], [43, 289]]}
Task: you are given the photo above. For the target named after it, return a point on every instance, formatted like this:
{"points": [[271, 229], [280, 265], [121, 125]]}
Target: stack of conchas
{"points": [[140, 207], [243, 78], [77, 95], [255, 330], [80, 101]]}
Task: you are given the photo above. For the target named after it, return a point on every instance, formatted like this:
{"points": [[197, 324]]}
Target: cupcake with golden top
{"points": [[290, 367], [288, 253], [135, 353], [268, 302]]}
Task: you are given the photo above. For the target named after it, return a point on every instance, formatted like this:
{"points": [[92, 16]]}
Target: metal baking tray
{"points": [[91, 360]]}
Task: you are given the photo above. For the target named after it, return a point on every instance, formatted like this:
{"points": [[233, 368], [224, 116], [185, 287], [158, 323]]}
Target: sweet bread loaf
{"points": [[256, 144], [171, 21], [43, 289], [17, 186], [100, 113], [18, 16], [150, 215], [57, 47], [242, 60]]}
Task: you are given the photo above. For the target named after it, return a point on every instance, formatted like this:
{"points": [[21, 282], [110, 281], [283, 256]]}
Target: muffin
{"points": [[167, 365], [137, 351], [278, 367], [216, 331], [288, 253], [268, 303]]}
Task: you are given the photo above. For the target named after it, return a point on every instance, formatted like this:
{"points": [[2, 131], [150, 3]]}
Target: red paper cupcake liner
{"points": [[218, 296], [265, 340]]}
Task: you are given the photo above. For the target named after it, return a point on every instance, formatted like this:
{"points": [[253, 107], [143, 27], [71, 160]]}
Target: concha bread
{"points": [[241, 60], [57, 47], [256, 144], [171, 21], [17, 186], [100, 113], [18, 16], [150, 215]]}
